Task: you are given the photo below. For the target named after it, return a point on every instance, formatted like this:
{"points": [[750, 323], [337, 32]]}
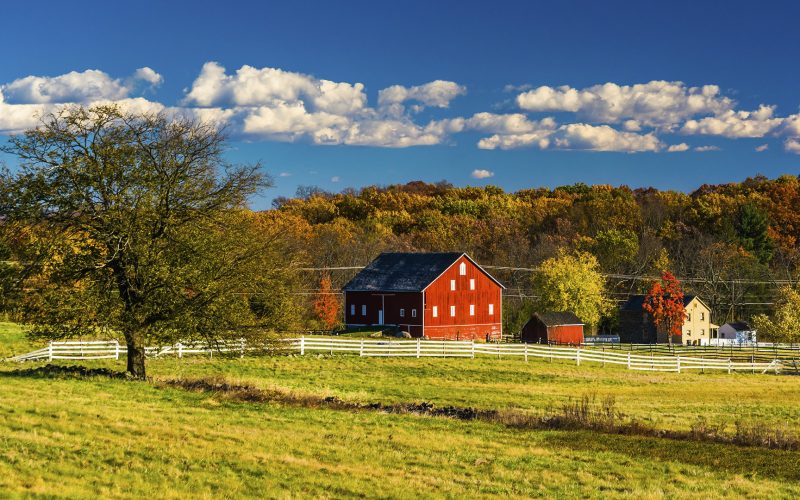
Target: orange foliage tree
{"points": [[326, 305], [664, 302]]}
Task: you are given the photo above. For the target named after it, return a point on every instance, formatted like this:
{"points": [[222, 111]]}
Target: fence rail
{"points": [[676, 361]]}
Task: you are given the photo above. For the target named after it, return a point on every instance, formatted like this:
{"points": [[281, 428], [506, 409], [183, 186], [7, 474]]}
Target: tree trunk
{"points": [[135, 345]]}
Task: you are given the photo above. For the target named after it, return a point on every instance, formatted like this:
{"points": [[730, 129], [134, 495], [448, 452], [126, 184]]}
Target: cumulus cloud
{"points": [[437, 93], [335, 178], [676, 148], [577, 136], [657, 103], [736, 124], [704, 149], [762, 148], [792, 146], [481, 174], [75, 87]]}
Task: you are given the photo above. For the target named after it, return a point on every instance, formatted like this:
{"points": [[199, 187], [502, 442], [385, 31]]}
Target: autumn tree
{"points": [[572, 282], [664, 303], [142, 229], [784, 324], [326, 304]]}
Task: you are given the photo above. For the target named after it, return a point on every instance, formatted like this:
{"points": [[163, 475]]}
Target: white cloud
{"points": [[657, 103], [514, 123], [577, 136], [736, 124], [75, 87], [705, 149], [792, 146], [284, 174], [791, 125], [336, 178], [437, 93], [676, 148], [481, 174], [762, 147]]}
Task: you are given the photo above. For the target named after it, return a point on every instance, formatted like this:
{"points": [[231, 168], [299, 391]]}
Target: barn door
{"points": [[380, 316]]}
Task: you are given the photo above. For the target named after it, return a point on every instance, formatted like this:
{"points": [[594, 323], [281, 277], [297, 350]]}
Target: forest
{"points": [[735, 245]]}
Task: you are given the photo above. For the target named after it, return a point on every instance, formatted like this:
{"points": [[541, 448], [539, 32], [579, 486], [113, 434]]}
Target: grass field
{"points": [[99, 436]]}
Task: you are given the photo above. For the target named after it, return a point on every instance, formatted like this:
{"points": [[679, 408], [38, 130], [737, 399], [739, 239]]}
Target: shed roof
{"points": [[740, 326], [405, 271], [559, 318]]}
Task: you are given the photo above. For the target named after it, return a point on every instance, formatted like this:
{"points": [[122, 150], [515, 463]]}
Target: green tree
{"points": [[784, 325], [572, 282], [142, 229], [752, 227]]}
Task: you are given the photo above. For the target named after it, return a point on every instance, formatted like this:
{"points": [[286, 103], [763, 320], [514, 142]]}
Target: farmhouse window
{"points": [[413, 313], [402, 313], [435, 311], [472, 309], [364, 310], [491, 309], [688, 316], [702, 332], [688, 332], [352, 309], [702, 316], [472, 283], [453, 285], [452, 311], [462, 269]]}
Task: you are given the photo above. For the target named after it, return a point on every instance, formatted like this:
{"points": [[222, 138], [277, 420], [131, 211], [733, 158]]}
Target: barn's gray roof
{"points": [[559, 318], [403, 272]]}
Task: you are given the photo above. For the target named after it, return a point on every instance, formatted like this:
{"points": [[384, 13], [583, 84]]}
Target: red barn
{"points": [[434, 295], [555, 327]]}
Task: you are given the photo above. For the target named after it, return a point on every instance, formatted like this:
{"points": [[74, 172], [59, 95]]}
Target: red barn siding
{"points": [[392, 302], [463, 326], [565, 334]]}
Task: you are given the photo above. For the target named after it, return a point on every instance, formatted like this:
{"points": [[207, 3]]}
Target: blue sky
{"points": [[681, 75]]}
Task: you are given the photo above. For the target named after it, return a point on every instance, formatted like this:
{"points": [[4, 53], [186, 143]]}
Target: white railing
{"points": [[421, 349]]}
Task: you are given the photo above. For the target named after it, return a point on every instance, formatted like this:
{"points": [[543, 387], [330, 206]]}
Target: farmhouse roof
{"points": [[636, 302], [405, 271], [559, 318]]}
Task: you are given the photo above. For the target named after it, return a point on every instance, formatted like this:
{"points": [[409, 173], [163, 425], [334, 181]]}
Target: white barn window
{"points": [[462, 269], [491, 309], [402, 313], [453, 285], [413, 313], [363, 310], [435, 311], [472, 309], [352, 309], [452, 311], [472, 283]]}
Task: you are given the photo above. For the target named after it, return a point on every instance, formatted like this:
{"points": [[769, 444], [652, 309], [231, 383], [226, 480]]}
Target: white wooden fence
{"points": [[421, 349]]}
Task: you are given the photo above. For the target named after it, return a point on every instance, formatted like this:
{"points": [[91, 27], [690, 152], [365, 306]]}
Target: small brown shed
{"points": [[553, 327]]}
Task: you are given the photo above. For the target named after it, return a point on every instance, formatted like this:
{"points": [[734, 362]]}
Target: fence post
{"points": [[550, 349], [729, 365], [419, 345], [473, 348], [116, 349], [302, 345], [361, 350], [526, 352], [629, 360], [679, 364], [242, 348], [578, 356], [180, 350], [50, 351]]}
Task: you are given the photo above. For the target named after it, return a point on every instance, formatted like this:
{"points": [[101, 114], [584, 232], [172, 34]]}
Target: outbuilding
{"points": [[553, 327], [737, 332], [443, 295]]}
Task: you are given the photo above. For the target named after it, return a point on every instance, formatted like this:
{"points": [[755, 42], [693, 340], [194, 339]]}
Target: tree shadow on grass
{"points": [[64, 371], [752, 462]]}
